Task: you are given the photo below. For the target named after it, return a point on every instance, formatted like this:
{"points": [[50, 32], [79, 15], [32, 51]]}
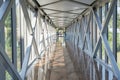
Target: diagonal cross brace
{"points": [[104, 38], [80, 36], [50, 3], [26, 15], [87, 35], [26, 58], [4, 10], [8, 65]]}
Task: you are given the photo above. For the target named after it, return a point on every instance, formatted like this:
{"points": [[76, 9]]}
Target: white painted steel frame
{"points": [[85, 38], [9, 66]]}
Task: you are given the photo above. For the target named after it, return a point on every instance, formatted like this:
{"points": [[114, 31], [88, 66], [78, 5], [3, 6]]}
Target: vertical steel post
{"points": [[13, 31], [94, 43], [2, 31], [100, 46], [115, 31], [91, 33], [106, 57], [21, 37], [2, 42]]}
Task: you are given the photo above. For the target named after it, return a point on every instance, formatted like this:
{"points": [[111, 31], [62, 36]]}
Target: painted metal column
{"points": [[106, 57], [100, 46], [2, 42], [2, 32], [91, 39], [94, 43], [13, 28], [21, 37], [115, 31]]}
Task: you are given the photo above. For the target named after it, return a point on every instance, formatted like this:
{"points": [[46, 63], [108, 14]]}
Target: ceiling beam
{"points": [[59, 11], [61, 17], [62, 12], [82, 9], [51, 3], [60, 20], [41, 10], [77, 9], [56, 17], [81, 3]]}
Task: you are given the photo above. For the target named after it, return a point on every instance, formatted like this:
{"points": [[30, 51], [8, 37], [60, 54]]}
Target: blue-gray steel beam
{"points": [[4, 10], [8, 65], [1, 2], [2, 42], [26, 60], [95, 34], [79, 35], [96, 71], [104, 38], [26, 15], [99, 40], [2, 70], [100, 46], [106, 9], [13, 31], [59, 11], [106, 57], [107, 67], [115, 31], [86, 36], [74, 37], [78, 2], [21, 37], [91, 33], [39, 54], [33, 42], [34, 35], [51, 3]]}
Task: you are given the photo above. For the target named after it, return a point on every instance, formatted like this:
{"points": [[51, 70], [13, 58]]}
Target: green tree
{"points": [[8, 38], [118, 21], [118, 34], [8, 31]]}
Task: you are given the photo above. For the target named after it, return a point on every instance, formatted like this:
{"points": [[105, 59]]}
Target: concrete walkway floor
{"points": [[58, 69], [61, 66]]}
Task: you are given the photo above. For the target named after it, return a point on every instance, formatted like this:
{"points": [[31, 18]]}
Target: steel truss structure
{"points": [[34, 30], [85, 38], [87, 35]]}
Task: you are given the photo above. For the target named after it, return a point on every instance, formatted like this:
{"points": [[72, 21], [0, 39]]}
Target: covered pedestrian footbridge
{"points": [[59, 39]]}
